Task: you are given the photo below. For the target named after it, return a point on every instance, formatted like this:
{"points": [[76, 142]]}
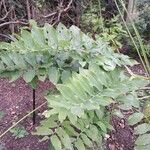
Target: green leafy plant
{"points": [[109, 29], [142, 51], [1, 114], [19, 132], [114, 33], [78, 116], [87, 75], [54, 52]]}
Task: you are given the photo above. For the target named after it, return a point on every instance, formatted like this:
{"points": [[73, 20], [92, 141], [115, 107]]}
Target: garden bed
{"points": [[16, 101]]}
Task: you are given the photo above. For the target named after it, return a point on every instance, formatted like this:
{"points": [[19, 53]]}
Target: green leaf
{"points": [[1, 115], [142, 147], [44, 139], [100, 113], [118, 113], [56, 142], [15, 75], [143, 139], [38, 35], [42, 130], [69, 129], [72, 118], [142, 128], [18, 60], [76, 110], [64, 138], [51, 35], [103, 101], [19, 132], [54, 74], [62, 115], [79, 144], [86, 140], [7, 61], [30, 58], [146, 110], [65, 76], [29, 75], [135, 118], [42, 74], [50, 122], [85, 85], [131, 100], [34, 82], [102, 126], [66, 92], [92, 132]]}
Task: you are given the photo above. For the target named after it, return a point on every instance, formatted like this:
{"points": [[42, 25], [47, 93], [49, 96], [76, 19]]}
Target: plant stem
{"points": [[34, 114], [138, 37], [144, 97], [22, 119], [131, 37]]}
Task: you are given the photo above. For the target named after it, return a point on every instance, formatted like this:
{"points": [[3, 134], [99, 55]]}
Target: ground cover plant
{"points": [[90, 85]]}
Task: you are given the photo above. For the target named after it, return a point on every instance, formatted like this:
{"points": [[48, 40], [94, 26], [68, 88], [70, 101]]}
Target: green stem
{"points": [[138, 37], [131, 37]]}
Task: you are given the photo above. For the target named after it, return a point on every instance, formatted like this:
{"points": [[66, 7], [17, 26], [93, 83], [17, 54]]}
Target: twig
{"points": [[49, 15], [145, 88], [1, 19], [4, 6], [13, 22], [21, 120], [1, 5], [66, 9], [12, 27], [71, 18], [145, 97], [28, 9], [59, 11], [6, 36]]}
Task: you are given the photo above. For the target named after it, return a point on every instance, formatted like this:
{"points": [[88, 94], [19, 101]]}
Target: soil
{"points": [[16, 101]]}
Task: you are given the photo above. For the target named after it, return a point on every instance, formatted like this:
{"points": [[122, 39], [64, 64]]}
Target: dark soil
{"points": [[16, 101], [121, 138]]}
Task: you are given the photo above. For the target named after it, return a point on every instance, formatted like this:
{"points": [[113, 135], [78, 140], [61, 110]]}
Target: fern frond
{"points": [[65, 49], [80, 104]]}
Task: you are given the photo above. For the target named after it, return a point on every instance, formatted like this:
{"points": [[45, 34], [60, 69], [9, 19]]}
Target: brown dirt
{"points": [[16, 101], [122, 137]]}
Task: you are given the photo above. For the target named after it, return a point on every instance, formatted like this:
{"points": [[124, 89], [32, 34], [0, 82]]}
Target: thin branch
{"points": [[71, 18], [145, 97], [4, 6], [28, 9], [21, 120], [6, 36], [49, 15], [60, 11], [145, 88], [66, 9], [1, 19], [13, 22]]}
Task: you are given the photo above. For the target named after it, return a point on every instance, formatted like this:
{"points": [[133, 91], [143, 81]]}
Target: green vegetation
{"points": [[88, 73]]}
